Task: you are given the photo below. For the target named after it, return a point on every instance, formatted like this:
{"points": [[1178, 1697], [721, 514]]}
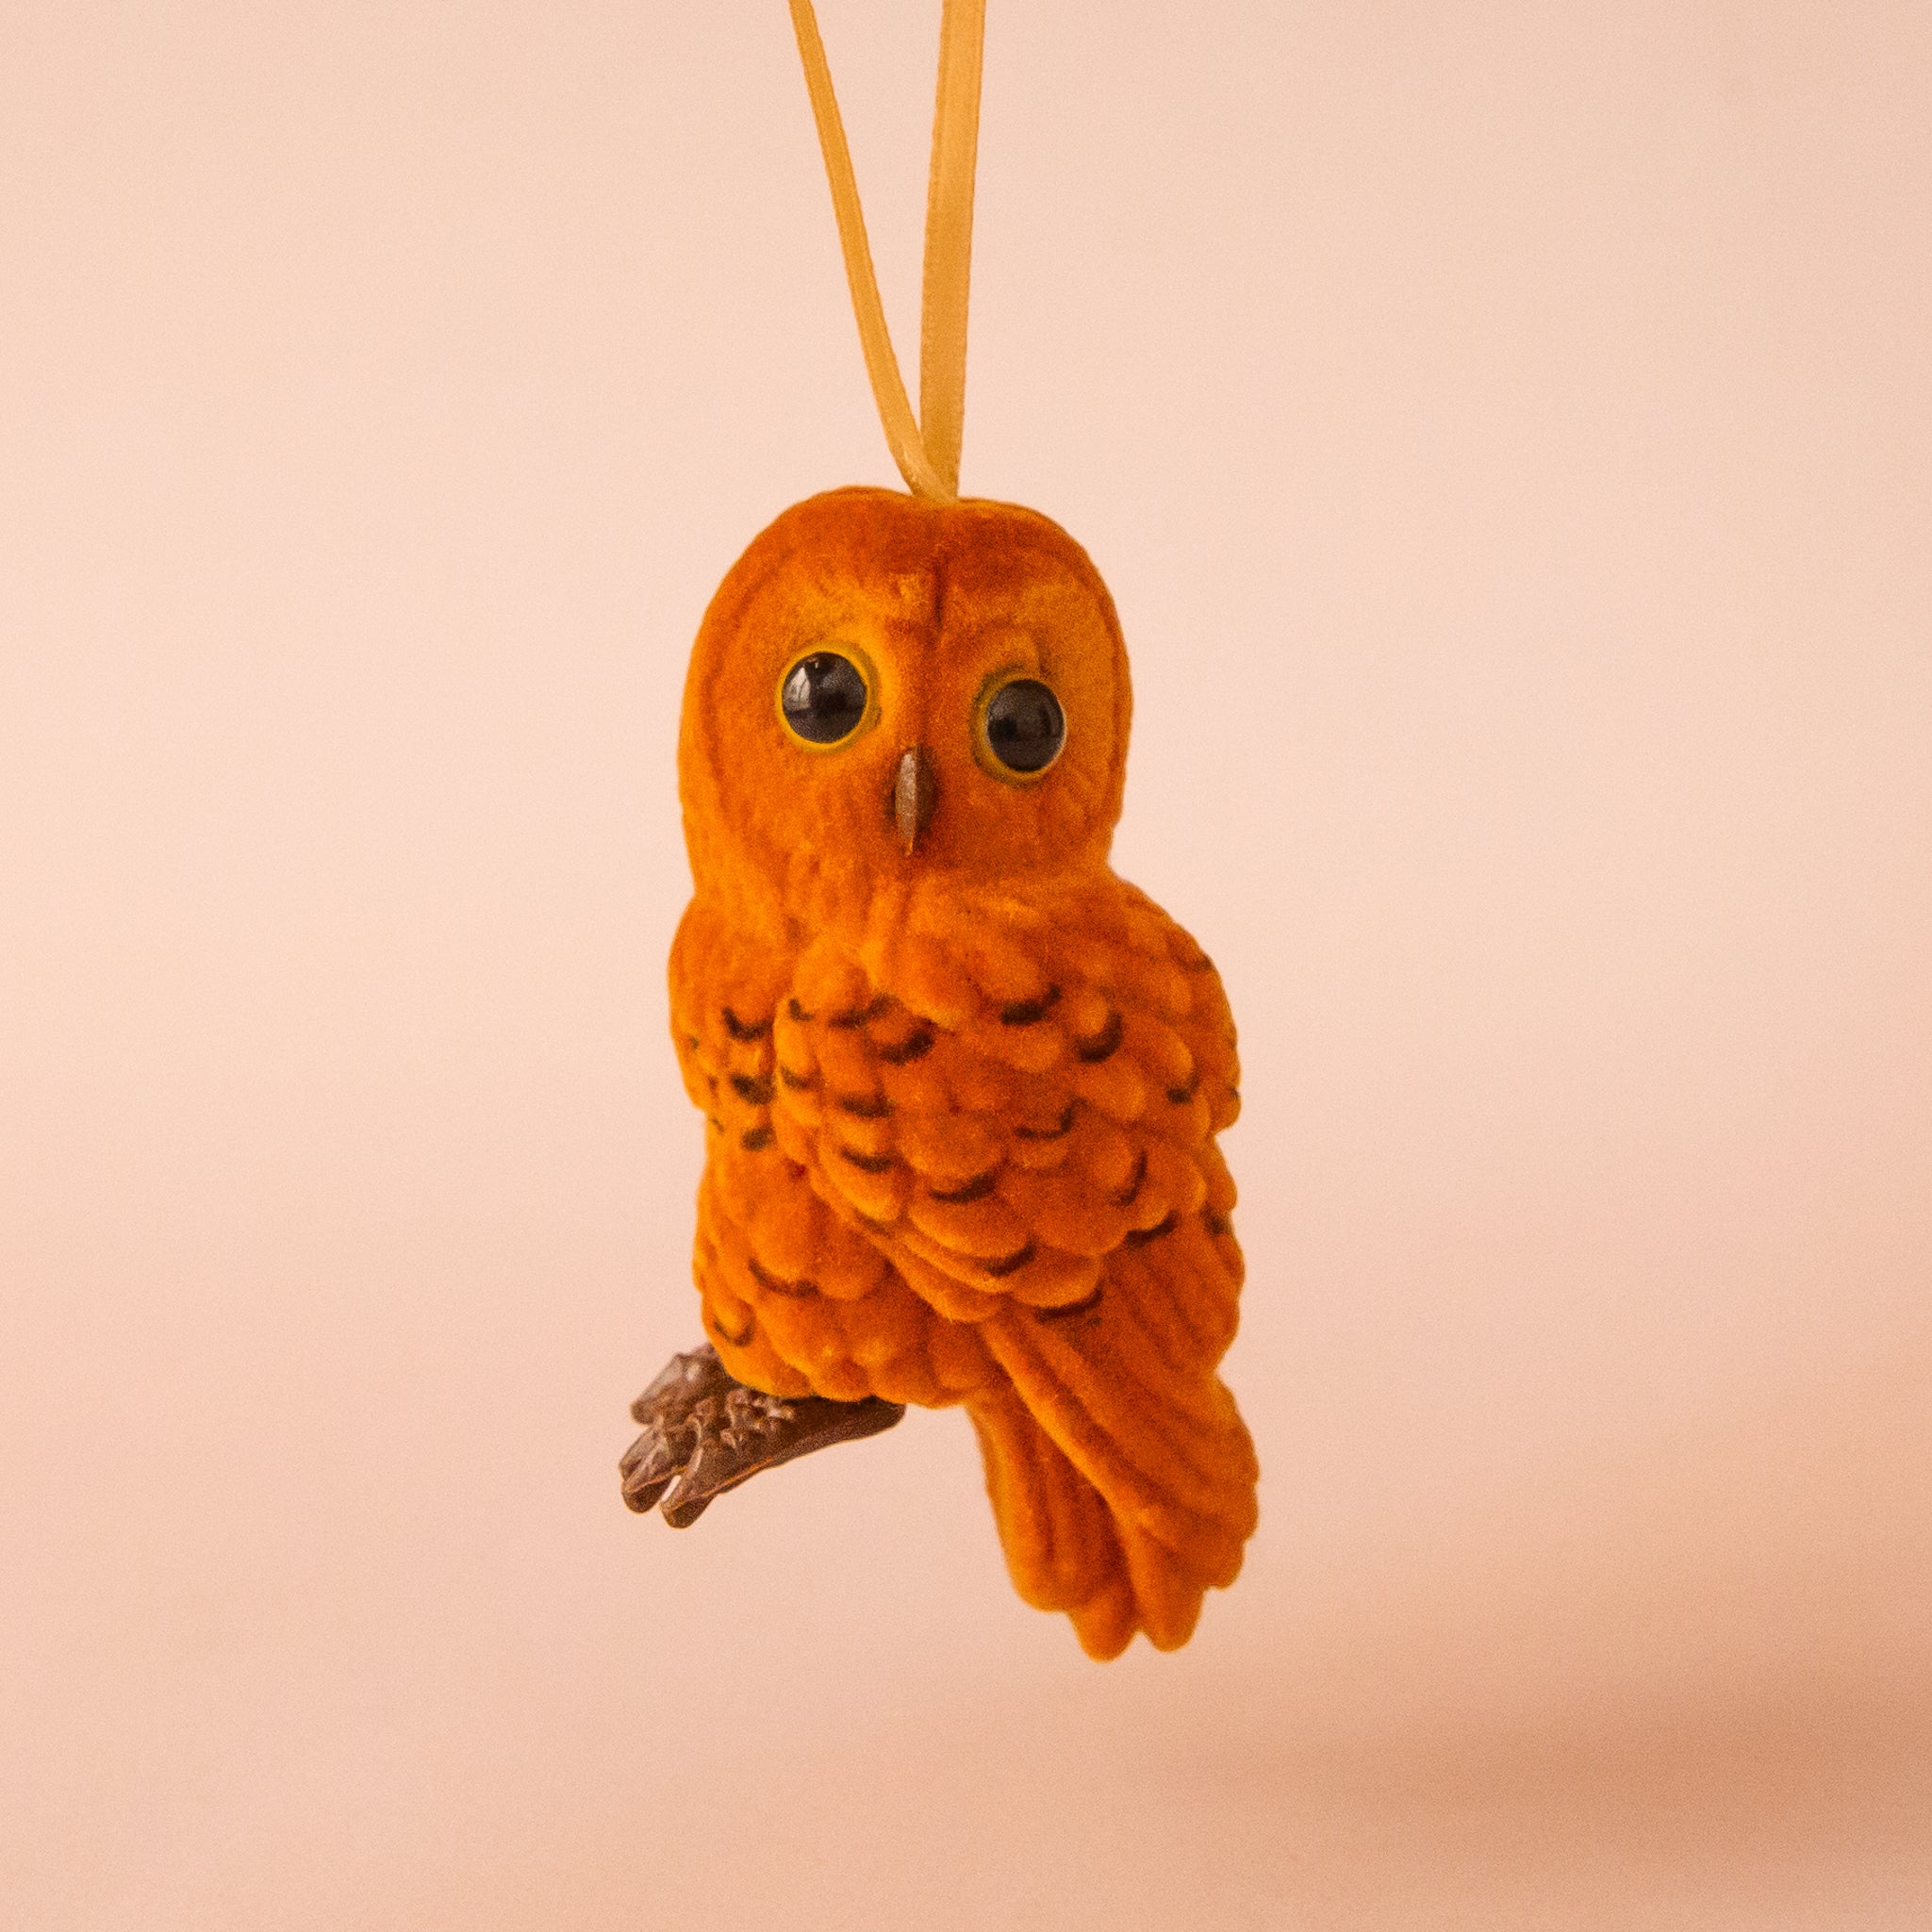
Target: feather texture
{"points": [[961, 1117]]}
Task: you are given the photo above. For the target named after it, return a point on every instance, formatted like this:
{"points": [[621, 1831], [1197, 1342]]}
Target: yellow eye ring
{"points": [[1019, 727], [826, 698]]}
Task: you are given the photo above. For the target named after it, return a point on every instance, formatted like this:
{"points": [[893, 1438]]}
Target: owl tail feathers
{"points": [[1060, 1546], [1070, 1548], [1122, 1512]]}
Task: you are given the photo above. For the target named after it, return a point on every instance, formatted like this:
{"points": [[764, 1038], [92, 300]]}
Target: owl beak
{"points": [[914, 795]]}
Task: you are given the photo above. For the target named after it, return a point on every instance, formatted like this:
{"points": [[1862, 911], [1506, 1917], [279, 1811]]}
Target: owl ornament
{"points": [[961, 1084]]}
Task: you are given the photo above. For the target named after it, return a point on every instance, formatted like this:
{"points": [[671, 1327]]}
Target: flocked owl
{"points": [[961, 1084]]}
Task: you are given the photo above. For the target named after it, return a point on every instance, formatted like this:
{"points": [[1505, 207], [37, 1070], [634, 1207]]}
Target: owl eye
{"points": [[823, 698], [1025, 725]]}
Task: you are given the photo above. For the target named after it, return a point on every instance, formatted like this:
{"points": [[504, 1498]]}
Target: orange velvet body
{"points": [[961, 1101]]}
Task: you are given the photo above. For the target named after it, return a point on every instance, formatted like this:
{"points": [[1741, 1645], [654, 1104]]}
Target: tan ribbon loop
{"points": [[927, 450], [950, 236]]}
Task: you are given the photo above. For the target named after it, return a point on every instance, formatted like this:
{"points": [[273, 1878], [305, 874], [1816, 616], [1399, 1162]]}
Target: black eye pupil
{"points": [[1025, 725], [823, 698]]}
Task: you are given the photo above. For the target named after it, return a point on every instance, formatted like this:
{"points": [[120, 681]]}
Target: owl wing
{"points": [[1016, 1102], [1007, 1091], [796, 1296], [988, 1139]]}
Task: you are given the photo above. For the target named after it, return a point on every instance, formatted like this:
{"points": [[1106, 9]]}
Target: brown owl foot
{"points": [[705, 1432]]}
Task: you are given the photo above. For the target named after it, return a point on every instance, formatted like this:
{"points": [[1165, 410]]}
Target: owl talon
{"points": [[705, 1432]]}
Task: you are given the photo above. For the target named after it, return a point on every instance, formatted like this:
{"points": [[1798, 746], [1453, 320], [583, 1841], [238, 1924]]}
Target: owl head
{"points": [[887, 690]]}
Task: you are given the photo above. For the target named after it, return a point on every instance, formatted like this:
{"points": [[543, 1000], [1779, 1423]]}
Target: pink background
{"points": [[1505, 428]]}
